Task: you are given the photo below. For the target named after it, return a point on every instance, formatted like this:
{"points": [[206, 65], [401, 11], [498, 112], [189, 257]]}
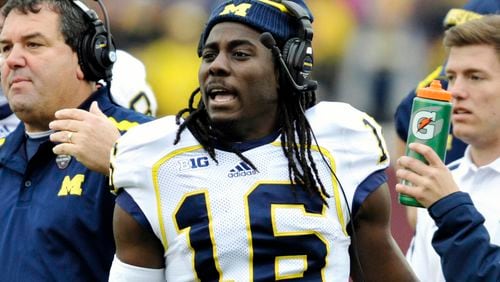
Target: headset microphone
{"points": [[268, 40]]}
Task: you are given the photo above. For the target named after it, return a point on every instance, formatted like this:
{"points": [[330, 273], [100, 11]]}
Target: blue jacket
{"points": [[56, 221], [463, 242]]}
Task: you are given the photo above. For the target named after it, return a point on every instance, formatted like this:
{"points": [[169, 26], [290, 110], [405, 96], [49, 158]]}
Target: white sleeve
{"points": [[122, 272]]}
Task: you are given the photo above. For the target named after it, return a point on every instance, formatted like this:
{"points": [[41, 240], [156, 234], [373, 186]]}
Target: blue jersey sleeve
{"points": [[125, 201], [462, 241]]}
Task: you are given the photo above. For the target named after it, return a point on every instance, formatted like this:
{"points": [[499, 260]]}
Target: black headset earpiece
{"points": [[96, 50], [297, 52]]}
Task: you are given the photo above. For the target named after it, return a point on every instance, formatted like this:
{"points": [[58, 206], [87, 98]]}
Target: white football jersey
{"points": [[129, 87], [8, 124], [228, 222], [8, 120]]}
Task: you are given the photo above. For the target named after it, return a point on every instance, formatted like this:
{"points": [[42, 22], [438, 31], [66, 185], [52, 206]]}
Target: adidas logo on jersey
{"points": [[242, 169]]}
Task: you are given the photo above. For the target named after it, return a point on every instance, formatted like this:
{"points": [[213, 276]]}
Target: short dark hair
{"points": [[72, 20]]}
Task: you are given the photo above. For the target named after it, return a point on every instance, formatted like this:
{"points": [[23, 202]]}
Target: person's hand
{"points": [[87, 136], [430, 182]]}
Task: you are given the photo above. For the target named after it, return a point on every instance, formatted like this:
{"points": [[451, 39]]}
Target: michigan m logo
{"points": [[72, 186], [240, 10]]}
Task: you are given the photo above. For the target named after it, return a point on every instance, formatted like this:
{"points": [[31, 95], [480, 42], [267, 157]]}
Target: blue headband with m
{"points": [[262, 15]]}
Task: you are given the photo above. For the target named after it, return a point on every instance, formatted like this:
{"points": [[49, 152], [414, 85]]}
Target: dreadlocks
{"points": [[296, 141], [296, 135]]}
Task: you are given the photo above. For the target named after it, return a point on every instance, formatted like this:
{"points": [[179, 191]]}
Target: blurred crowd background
{"points": [[369, 53]]}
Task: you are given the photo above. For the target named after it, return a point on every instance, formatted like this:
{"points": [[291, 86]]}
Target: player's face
{"points": [[40, 69], [474, 80], [238, 81]]}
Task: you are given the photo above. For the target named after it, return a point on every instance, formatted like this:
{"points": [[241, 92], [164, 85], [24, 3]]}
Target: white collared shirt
{"points": [[483, 185]]}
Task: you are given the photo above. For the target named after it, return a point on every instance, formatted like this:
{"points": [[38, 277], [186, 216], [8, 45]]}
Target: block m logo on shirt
{"points": [[72, 186]]}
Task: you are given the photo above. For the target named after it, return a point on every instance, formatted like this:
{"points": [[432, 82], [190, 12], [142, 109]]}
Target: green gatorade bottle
{"points": [[430, 125]]}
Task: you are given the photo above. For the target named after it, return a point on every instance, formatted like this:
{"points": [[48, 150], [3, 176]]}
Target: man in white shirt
{"points": [[465, 241]]}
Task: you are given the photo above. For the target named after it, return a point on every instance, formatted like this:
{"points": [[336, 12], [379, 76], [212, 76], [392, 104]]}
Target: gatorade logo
{"points": [[423, 125]]}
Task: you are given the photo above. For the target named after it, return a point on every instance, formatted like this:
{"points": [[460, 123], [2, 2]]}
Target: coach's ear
{"points": [[79, 73], [78, 69]]}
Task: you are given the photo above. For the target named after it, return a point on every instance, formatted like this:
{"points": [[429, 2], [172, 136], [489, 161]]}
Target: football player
{"points": [[256, 182]]}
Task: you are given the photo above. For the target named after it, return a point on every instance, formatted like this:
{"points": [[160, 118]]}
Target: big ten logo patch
{"points": [[194, 163], [72, 186]]}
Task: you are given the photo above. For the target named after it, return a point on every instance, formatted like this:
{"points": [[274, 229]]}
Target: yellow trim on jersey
{"points": [[433, 75], [123, 125], [2, 140], [336, 190], [156, 186], [277, 260]]}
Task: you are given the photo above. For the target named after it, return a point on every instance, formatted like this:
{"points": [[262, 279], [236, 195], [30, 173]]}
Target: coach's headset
{"points": [[96, 50]]}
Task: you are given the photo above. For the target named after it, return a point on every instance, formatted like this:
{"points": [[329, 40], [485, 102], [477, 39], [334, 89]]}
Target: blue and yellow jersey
{"points": [[227, 221], [56, 215]]}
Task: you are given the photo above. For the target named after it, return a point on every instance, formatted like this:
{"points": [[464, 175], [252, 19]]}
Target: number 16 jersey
{"points": [[226, 221]]}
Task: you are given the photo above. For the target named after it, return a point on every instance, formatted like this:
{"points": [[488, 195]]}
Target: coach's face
{"points": [[238, 80], [40, 69]]}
